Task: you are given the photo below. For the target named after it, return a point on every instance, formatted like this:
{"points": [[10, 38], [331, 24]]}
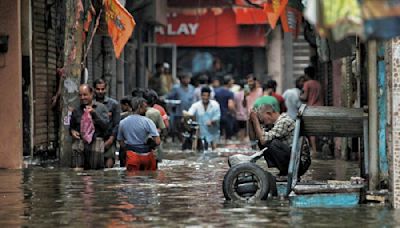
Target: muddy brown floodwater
{"points": [[186, 191]]}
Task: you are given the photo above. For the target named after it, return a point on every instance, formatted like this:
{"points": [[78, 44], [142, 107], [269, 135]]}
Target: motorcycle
{"points": [[191, 135]]}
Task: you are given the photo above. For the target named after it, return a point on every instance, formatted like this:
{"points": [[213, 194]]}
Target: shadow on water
{"points": [[185, 191]]}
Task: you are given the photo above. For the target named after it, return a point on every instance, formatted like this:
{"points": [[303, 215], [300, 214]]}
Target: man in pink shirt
{"points": [[312, 95], [251, 91]]}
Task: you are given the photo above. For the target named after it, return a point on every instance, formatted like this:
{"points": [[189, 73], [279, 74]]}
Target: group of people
{"points": [[99, 122], [248, 109], [137, 122]]}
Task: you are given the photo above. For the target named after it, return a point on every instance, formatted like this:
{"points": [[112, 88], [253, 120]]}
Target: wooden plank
{"points": [[326, 188], [332, 121], [325, 200]]}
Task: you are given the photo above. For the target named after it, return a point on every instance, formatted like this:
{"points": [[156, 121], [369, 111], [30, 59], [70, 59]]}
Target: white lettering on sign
{"points": [[182, 29], [193, 28]]}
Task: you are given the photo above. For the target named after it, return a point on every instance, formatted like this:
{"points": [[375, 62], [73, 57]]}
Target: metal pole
{"points": [[373, 116], [174, 66]]}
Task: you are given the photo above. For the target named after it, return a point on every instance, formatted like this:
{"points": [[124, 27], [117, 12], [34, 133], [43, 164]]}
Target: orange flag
{"points": [[274, 11], [120, 24]]}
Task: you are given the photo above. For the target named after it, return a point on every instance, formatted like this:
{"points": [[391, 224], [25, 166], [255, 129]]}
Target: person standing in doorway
{"points": [[312, 95], [114, 114]]}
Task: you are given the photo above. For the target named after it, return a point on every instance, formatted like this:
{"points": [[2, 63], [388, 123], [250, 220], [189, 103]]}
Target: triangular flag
{"points": [[274, 11], [120, 24]]}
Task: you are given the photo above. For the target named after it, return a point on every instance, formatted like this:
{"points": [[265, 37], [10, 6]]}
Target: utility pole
{"points": [[72, 66]]}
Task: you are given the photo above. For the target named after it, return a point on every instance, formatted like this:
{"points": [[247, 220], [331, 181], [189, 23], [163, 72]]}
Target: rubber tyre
{"points": [[246, 181]]}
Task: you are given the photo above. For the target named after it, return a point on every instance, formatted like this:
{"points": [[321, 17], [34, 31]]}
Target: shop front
{"points": [[214, 40]]}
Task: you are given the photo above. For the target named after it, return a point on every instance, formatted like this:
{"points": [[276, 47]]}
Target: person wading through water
{"points": [[114, 114], [88, 149], [138, 136]]}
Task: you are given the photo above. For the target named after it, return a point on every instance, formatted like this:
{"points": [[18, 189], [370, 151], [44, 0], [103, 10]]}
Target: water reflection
{"points": [[11, 198], [186, 191]]}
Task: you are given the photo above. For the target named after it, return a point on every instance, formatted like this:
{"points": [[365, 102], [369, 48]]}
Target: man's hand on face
{"points": [[253, 116]]}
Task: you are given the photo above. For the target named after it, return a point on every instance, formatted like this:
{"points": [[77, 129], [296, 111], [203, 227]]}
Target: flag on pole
{"points": [[120, 24]]}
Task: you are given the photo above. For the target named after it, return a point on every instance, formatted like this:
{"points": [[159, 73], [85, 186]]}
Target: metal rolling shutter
{"points": [[43, 72]]}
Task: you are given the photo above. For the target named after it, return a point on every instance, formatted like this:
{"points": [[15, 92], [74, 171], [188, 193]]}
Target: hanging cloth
{"points": [[87, 127]]}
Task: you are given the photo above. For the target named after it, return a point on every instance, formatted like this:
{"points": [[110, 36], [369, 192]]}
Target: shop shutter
{"points": [[43, 73]]}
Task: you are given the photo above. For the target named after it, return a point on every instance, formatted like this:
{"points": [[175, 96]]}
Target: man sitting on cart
{"points": [[278, 139]]}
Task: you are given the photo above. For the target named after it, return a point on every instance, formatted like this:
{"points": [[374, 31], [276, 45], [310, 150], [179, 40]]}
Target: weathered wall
{"points": [[275, 57], [11, 87], [394, 128]]}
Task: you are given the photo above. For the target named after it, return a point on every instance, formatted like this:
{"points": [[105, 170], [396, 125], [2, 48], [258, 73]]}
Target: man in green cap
{"points": [[267, 100], [278, 138]]}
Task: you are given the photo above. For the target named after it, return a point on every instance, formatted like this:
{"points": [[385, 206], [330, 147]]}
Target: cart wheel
{"points": [[246, 181]]}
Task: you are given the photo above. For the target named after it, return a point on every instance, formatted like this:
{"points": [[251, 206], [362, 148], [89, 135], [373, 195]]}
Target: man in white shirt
{"points": [[207, 113]]}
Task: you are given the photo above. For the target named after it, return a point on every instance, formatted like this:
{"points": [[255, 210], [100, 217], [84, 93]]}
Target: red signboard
{"points": [[209, 28]]}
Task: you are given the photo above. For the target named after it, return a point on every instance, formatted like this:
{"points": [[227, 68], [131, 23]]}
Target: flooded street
{"points": [[186, 191]]}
